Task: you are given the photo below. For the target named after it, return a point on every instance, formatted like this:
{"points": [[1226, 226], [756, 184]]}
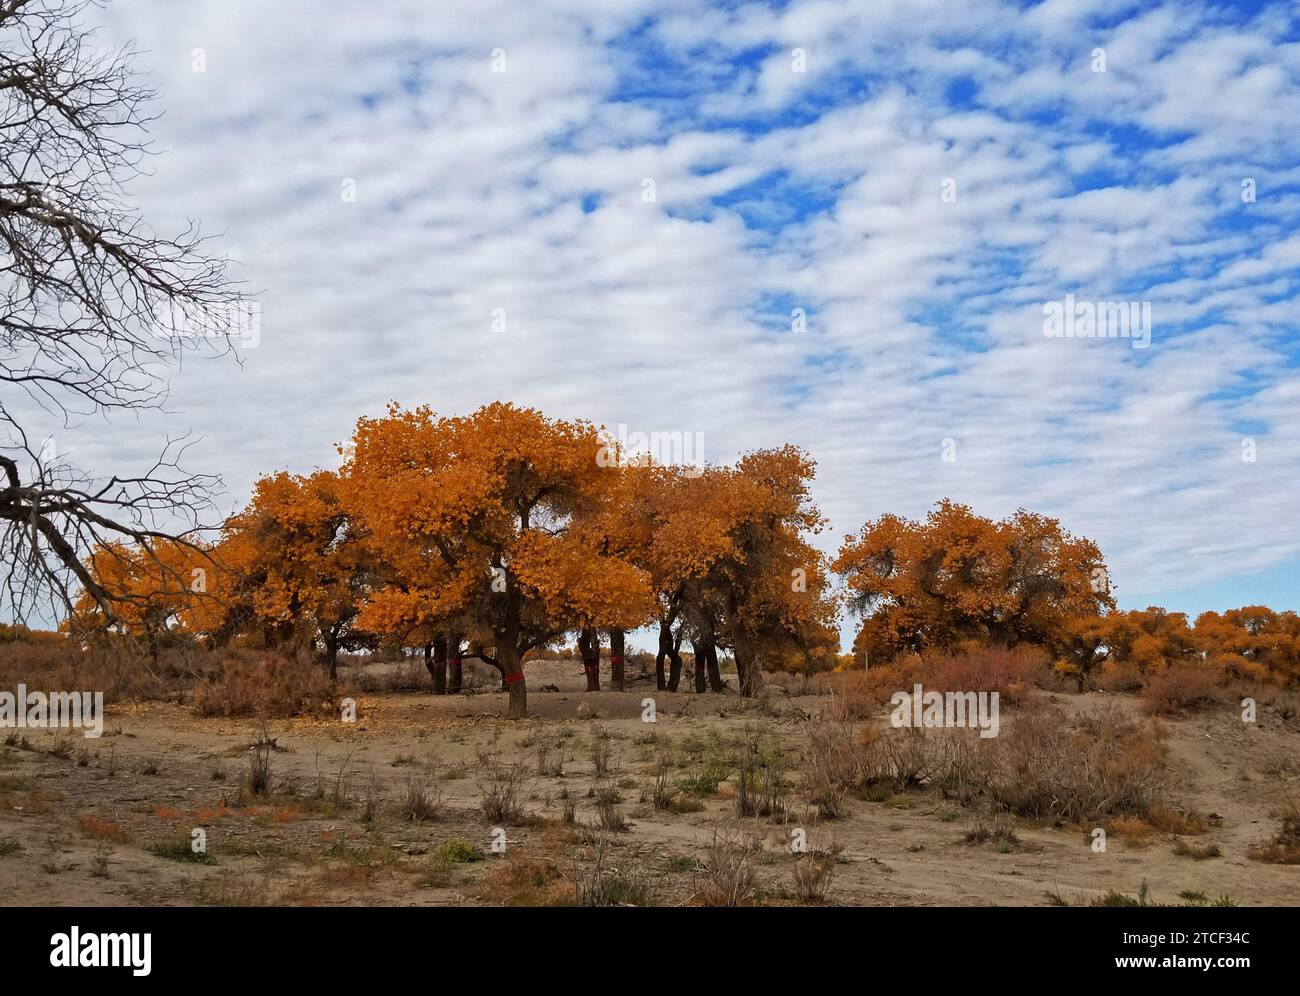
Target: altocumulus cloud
{"points": [[933, 175]]}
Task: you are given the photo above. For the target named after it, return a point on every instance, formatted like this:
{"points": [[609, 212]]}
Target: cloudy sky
{"points": [[916, 178]]}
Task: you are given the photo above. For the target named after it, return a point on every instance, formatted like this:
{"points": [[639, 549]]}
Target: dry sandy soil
{"points": [[77, 829]]}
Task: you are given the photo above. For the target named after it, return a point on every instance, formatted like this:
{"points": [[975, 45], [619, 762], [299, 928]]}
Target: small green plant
{"points": [[180, 847], [705, 782], [458, 850]]}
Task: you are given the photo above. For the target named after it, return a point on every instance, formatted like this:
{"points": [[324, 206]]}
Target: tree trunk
{"points": [[512, 670], [660, 655], [747, 670], [435, 659], [715, 676], [701, 653], [453, 665], [589, 647], [332, 655], [616, 639]]}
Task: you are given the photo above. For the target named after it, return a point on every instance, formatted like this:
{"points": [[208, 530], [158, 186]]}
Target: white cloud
{"points": [[469, 198]]}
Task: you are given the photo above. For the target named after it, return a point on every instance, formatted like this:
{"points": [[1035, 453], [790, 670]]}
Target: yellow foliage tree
{"points": [[475, 517], [294, 557]]}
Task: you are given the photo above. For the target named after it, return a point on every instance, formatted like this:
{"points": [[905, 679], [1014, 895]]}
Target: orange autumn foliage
{"points": [[511, 530], [959, 580], [476, 518], [295, 560]]}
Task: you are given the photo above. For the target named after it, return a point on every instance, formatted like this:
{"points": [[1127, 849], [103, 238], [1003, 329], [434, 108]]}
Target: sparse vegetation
{"points": [[180, 847], [421, 800], [1284, 848], [458, 850], [728, 874], [501, 787]]}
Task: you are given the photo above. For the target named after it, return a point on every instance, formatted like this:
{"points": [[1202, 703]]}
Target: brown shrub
{"points": [[501, 788], [1175, 690], [62, 665], [1117, 677], [860, 694], [1284, 849], [1103, 764], [422, 799], [728, 873], [832, 765], [529, 881], [812, 876], [1178, 820], [265, 685], [604, 884], [1133, 829], [1196, 852], [1010, 673]]}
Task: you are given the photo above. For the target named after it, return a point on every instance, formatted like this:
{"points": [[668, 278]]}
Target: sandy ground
{"points": [[77, 829]]}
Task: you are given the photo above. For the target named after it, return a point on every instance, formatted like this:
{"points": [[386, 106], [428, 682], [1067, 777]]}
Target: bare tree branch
{"points": [[94, 306]]}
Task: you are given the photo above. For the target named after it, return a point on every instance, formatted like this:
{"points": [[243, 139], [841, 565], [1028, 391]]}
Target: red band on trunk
{"points": [[616, 660], [455, 660], [512, 678]]}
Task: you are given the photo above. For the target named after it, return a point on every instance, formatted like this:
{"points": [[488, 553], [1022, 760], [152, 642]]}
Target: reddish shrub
{"points": [[1174, 690], [1010, 673]]}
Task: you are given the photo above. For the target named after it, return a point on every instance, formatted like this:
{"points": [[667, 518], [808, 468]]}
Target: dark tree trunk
{"points": [[701, 653], [747, 670], [665, 651], [589, 647], [616, 640], [675, 660], [435, 659], [332, 654], [674, 669], [715, 676], [440, 665], [512, 670], [453, 665]]}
